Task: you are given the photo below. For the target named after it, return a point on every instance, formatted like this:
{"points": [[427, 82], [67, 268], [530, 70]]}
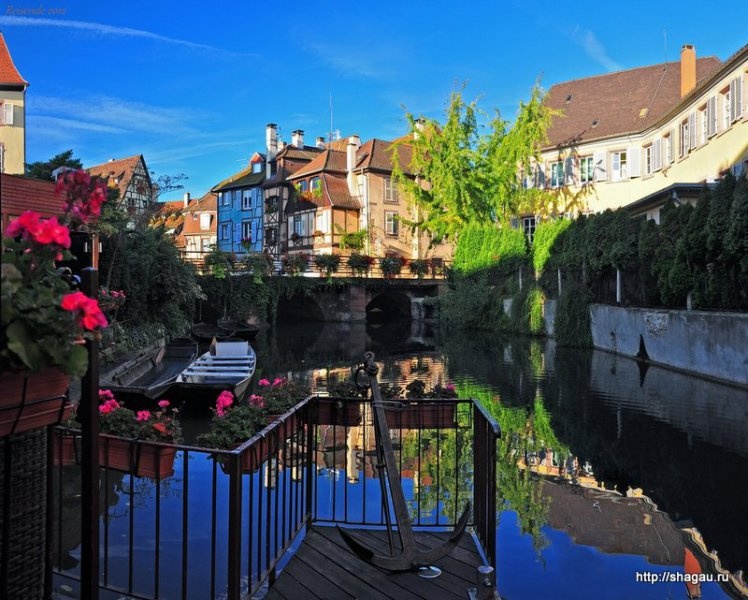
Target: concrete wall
{"points": [[709, 343]]}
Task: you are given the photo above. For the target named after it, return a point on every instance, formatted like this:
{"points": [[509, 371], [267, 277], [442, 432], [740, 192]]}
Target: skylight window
{"points": [[595, 123], [568, 98]]}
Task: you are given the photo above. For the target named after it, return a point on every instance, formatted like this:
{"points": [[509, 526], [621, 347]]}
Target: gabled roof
{"points": [[329, 161], [617, 103], [335, 189], [20, 193], [376, 155], [118, 173], [208, 203], [9, 75], [294, 152], [243, 179]]}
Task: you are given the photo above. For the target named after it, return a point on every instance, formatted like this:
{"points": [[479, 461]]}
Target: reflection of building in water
{"points": [[630, 524]]}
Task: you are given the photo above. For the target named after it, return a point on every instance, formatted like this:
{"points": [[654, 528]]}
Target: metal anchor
{"points": [[411, 558]]}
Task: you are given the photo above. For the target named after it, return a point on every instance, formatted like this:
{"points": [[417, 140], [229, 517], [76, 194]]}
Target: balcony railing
{"points": [[217, 523]]}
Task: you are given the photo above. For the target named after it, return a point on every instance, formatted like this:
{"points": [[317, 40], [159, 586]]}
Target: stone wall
{"points": [[714, 344]]}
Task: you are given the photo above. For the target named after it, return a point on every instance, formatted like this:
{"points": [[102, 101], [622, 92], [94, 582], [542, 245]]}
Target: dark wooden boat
{"points": [[228, 365], [153, 371], [238, 329], [206, 332]]}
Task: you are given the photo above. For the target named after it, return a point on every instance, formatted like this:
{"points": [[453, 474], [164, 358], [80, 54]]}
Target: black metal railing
{"points": [[215, 523]]}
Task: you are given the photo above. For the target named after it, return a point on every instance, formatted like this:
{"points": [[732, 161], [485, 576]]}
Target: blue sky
{"points": [[191, 86]]}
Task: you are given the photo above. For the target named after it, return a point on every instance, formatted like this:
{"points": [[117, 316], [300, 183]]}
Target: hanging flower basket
{"points": [[32, 400], [143, 460]]}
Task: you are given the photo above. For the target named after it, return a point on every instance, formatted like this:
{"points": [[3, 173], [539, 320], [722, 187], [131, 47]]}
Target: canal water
{"points": [[616, 479], [619, 480]]}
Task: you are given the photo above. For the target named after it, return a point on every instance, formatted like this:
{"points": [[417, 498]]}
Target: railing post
{"points": [[234, 529], [311, 408]]}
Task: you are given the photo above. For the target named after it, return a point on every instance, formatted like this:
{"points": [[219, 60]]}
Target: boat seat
{"points": [[232, 349], [202, 373]]}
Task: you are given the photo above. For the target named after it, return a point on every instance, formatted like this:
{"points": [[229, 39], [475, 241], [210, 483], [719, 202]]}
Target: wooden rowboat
{"points": [[228, 365]]}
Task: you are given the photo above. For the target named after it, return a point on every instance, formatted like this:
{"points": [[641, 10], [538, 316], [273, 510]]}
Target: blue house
{"points": [[240, 208]]}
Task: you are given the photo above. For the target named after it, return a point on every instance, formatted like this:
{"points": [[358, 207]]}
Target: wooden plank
{"points": [[310, 579], [329, 542], [287, 588]]}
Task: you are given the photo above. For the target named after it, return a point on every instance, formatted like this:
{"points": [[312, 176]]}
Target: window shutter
{"points": [[711, 116], [657, 155], [541, 175], [569, 173], [634, 158], [8, 114], [599, 166], [692, 130], [736, 98]]}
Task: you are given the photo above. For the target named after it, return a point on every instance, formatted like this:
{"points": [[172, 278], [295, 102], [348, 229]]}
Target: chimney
{"points": [[271, 146], [420, 125], [687, 69], [354, 142], [319, 142], [186, 199], [297, 138]]}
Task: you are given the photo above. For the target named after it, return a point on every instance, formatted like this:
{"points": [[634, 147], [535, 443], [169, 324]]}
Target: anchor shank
{"points": [[400, 507]]}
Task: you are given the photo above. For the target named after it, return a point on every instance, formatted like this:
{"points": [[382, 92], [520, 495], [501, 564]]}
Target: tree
{"points": [[457, 176], [44, 169], [164, 184]]}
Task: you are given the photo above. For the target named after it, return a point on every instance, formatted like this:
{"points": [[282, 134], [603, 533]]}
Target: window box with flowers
{"points": [[278, 396], [232, 425], [123, 443], [436, 412], [44, 323]]}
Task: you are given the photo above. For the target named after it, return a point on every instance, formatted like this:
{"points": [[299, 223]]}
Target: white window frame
{"points": [[726, 109], [247, 230], [315, 184], [703, 125], [391, 195], [528, 226], [586, 169], [391, 224], [225, 231], [246, 199], [685, 138], [619, 165], [668, 156], [7, 113], [205, 221], [649, 159], [557, 174], [298, 225]]}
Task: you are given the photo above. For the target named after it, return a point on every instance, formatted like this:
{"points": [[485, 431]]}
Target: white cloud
{"points": [[114, 112], [350, 60], [593, 48], [46, 123], [112, 31]]}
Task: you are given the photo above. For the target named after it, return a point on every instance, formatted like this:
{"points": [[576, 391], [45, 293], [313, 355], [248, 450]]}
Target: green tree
{"points": [[43, 169]]}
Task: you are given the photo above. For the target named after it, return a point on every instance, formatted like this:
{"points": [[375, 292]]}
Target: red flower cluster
{"points": [[30, 227], [83, 196], [108, 402], [223, 402], [87, 310]]}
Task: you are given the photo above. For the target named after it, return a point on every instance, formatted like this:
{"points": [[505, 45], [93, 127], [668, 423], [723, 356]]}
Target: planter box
{"points": [[423, 415], [32, 400], [329, 411], [143, 460], [66, 449], [250, 461]]}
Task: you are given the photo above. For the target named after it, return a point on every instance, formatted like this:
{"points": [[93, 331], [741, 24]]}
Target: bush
{"points": [[481, 246], [327, 263], [293, 264], [391, 265], [419, 267], [360, 264]]}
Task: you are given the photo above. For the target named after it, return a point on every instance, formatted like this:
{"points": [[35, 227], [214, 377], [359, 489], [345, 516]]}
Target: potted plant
{"points": [[44, 323], [327, 263], [391, 265], [360, 264], [343, 407], [419, 267], [231, 425], [293, 264], [437, 412], [277, 397], [124, 430]]}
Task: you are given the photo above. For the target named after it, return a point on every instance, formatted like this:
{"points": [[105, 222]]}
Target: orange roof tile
{"points": [[329, 161], [376, 155], [20, 193], [9, 75]]}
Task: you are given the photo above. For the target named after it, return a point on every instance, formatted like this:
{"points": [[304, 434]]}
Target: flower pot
{"points": [[143, 460], [250, 460], [346, 413], [422, 415], [32, 400], [66, 449]]}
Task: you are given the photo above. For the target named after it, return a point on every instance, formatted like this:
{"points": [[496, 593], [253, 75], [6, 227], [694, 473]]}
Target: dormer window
{"points": [[303, 185], [257, 167], [315, 183]]}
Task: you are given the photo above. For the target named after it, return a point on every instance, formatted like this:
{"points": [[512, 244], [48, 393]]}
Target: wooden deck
{"points": [[324, 567]]}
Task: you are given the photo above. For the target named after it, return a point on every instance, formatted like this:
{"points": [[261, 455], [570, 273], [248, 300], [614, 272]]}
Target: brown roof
{"points": [[209, 202], [376, 155], [293, 152], [616, 101], [336, 190], [9, 75], [329, 161], [118, 173], [20, 194]]}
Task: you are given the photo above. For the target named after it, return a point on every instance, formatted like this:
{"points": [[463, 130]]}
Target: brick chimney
{"points": [[687, 69]]}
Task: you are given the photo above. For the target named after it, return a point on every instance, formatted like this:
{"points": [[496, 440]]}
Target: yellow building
{"points": [[12, 114], [641, 137]]}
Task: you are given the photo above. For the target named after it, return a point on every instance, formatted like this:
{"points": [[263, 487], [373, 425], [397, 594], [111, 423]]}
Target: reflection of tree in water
{"points": [[526, 435]]}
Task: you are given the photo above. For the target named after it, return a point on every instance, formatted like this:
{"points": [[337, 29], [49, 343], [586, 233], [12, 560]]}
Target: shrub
{"points": [[327, 263], [360, 264], [419, 267], [293, 264], [391, 265]]}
